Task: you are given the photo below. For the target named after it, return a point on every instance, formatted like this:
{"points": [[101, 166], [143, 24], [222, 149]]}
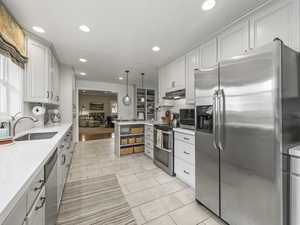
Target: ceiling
{"points": [[123, 32]]}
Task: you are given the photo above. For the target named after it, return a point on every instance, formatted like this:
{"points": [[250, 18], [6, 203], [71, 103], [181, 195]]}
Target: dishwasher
{"points": [[51, 189], [295, 186]]}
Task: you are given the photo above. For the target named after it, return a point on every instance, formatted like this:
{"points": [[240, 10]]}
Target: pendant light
{"points": [[126, 99], [142, 76]]}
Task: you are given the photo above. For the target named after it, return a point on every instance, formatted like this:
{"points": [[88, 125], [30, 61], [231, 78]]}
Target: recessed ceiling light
{"points": [[121, 78], [83, 60], [38, 29], [156, 49], [84, 28], [82, 73], [208, 5]]}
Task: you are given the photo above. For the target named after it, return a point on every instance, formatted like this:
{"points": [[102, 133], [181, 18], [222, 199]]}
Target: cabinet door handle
{"points": [[43, 199], [185, 138], [187, 153], [42, 182], [64, 159], [51, 94], [48, 94], [186, 172]]}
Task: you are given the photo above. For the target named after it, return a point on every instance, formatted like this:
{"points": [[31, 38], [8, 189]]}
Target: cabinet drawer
{"points": [[185, 151], [18, 214], [37, 214], [185, 138], [34, 189], [185, 172], [149, 152], [149, 143], [295, 166]]}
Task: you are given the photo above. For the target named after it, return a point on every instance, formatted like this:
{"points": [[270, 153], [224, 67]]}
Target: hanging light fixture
{"points": [[126, 99], [142, 76]]}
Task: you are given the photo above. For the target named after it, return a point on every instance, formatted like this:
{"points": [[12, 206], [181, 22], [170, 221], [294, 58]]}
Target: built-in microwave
{"points": [[187, 118]]}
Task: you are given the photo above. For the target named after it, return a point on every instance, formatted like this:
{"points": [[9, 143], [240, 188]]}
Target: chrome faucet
{"points": [[18, 120]]}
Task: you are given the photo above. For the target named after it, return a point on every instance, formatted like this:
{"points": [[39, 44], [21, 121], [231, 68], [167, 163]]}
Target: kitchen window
{"points": [[11, 87]]}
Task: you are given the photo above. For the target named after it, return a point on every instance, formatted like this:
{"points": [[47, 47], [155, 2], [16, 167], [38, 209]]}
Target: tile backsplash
{"points": [[178, 104]]}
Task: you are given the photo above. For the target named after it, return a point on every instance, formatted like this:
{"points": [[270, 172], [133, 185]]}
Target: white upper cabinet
{"points": [[281, 20], [55, 77], [208, 54], [234, 41], [42, 74], [171, 77], [37, 73], [161, 83], [176, 75], [192, 63]]}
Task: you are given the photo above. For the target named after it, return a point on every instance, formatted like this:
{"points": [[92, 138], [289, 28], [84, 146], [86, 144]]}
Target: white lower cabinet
{"points": [[295, 191], [184, 163], [149, 140], [185, 172], [37, 214], [18, 214]]}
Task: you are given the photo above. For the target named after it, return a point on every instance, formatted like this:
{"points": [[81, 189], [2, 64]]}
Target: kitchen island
{"points": [[130, 136]]}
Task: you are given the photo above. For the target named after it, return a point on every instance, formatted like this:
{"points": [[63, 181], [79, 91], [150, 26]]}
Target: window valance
{"points": [[12, 38]]}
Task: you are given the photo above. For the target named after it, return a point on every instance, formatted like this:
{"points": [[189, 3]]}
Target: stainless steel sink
{"points": [[36, 136]]}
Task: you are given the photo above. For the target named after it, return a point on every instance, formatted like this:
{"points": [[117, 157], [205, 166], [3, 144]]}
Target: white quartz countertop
{"points": [[136, 122], [295, 151], [185, 131], [21, 162]]}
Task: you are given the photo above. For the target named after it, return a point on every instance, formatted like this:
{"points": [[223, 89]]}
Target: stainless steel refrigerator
{"points": [[247, 116]]}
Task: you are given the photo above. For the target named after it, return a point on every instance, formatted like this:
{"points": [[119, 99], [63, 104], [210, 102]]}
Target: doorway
{"points": [[97, 111]]}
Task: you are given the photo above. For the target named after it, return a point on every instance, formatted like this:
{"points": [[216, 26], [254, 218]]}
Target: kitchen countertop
{"points": [[131, 122], [21, 162], [185, 131], [295, 151]]}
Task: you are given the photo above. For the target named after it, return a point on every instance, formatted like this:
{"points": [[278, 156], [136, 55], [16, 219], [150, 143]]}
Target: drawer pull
{"points": [[185, 138], [43, 199], [187, 153], [42, 182], [186, 172], [64, 159]]}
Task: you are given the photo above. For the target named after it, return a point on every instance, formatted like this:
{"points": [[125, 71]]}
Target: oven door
{"points": [[163, 150]]}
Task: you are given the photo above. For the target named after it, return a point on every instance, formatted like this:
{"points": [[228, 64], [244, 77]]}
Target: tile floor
{"points": [[155, 198]]}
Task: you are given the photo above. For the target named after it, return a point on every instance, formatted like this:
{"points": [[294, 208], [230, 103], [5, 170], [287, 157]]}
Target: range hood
{"points": [[175, 95]]}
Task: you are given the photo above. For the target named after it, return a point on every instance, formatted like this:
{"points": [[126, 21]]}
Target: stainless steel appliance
{"points": [[187, 118], [51, 190], [247, 114], [163, 148]]}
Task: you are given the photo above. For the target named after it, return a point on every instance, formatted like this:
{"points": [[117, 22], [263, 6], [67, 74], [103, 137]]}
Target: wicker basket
{"points": [[131, 140], [136, 130], [139, 148], [126, 151], [139, 140], [124, 141]]}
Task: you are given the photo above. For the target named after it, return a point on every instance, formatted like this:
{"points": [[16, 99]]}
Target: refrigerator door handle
{"points": [[221, 120], [215, 109]]}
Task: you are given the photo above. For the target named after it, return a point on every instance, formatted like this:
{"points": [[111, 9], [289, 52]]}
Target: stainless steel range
{"points": [[164, 148]]}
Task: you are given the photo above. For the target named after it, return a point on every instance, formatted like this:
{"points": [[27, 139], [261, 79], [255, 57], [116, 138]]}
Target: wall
{"points": [[85, 100], [125, 112]]}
